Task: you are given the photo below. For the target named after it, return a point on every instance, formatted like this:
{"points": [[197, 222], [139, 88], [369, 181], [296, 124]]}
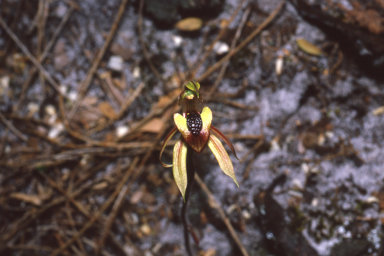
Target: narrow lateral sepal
{"points": [[169, 136], [222, 157], [180, 165]]}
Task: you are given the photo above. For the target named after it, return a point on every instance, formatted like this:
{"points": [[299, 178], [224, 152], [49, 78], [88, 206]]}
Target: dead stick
{"points": [[216, 205], [13, 128], [31, 58], [233, 45], [129, 100], [84, 86], [102, 209], [219, 36], [44, 55], [242, 44], [145, 51], [111, 218]]}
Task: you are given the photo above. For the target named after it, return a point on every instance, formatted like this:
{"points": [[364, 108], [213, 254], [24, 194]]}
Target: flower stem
{"points": [[190, 178]]}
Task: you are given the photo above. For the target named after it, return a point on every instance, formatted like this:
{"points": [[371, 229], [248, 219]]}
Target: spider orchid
{"points": [[196, 132]]}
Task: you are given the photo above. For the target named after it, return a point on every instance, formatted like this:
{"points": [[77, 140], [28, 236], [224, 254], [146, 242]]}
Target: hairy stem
{"points": [[190, 176]]}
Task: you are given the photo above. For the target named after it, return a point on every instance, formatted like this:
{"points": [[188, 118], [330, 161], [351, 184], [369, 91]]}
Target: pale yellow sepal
{"points": [[222, 157], [180, 165]]}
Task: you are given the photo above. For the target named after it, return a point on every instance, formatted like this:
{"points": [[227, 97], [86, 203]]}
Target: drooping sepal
{"points": [[180, 165], [225, 139], [222, 157], [197, 143], [169, 136]]}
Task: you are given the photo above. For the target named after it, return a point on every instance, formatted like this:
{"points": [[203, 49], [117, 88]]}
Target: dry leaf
{"points": [[378, 111], [100, 185], [189, 24], [89, 100], [165, 100], [307, 47], [209, 252], [155, 125], [107, 110], [33, 199], [136, 197], [145, 229]]}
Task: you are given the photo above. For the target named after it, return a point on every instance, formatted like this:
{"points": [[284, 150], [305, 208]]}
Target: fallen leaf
{"points": [[145, 229], [209, 252], [155, 125], [189, 24], [165, 100], [308, 47], [33, 199], [100, 185], [378, 111], [107, 110], [136, 197]]}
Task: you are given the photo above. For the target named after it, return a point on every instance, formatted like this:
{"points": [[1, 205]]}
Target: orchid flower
{"points": [[196, 132]]}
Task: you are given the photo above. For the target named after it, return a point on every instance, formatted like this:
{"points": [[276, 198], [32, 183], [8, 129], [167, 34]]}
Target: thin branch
{"points": [[145, 51], [84, 86], [44, 56], [221, 212], [31, 58], [102, 209], [233, 45], [219, 36], [129, 100], [13, 128], [263, 25]]}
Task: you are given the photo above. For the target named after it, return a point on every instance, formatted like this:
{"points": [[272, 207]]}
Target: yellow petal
{"points": [[181, 124], [180, 165], [222, 156], [224, 138], [169, 136], [206, 117]]}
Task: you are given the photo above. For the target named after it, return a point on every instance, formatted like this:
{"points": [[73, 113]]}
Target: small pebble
{"points": [[146, 229], [72, 95], [32, 108], [279, 65], [372, 200], [122, 131], [50, 110], [56, 130], [220, 48], [177, 40], [136, 72], [115, 63]]}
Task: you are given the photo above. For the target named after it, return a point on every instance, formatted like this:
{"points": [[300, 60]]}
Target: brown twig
{"points": [[43, 56], [249, 165], [30, 57], [129, 100], [219, 36], [43, 10], [263, 25], [31, 215], [233, 45], [13, 128], [102, 209], [145, 51], [84, 86], [111, 218], [214, 204]]}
